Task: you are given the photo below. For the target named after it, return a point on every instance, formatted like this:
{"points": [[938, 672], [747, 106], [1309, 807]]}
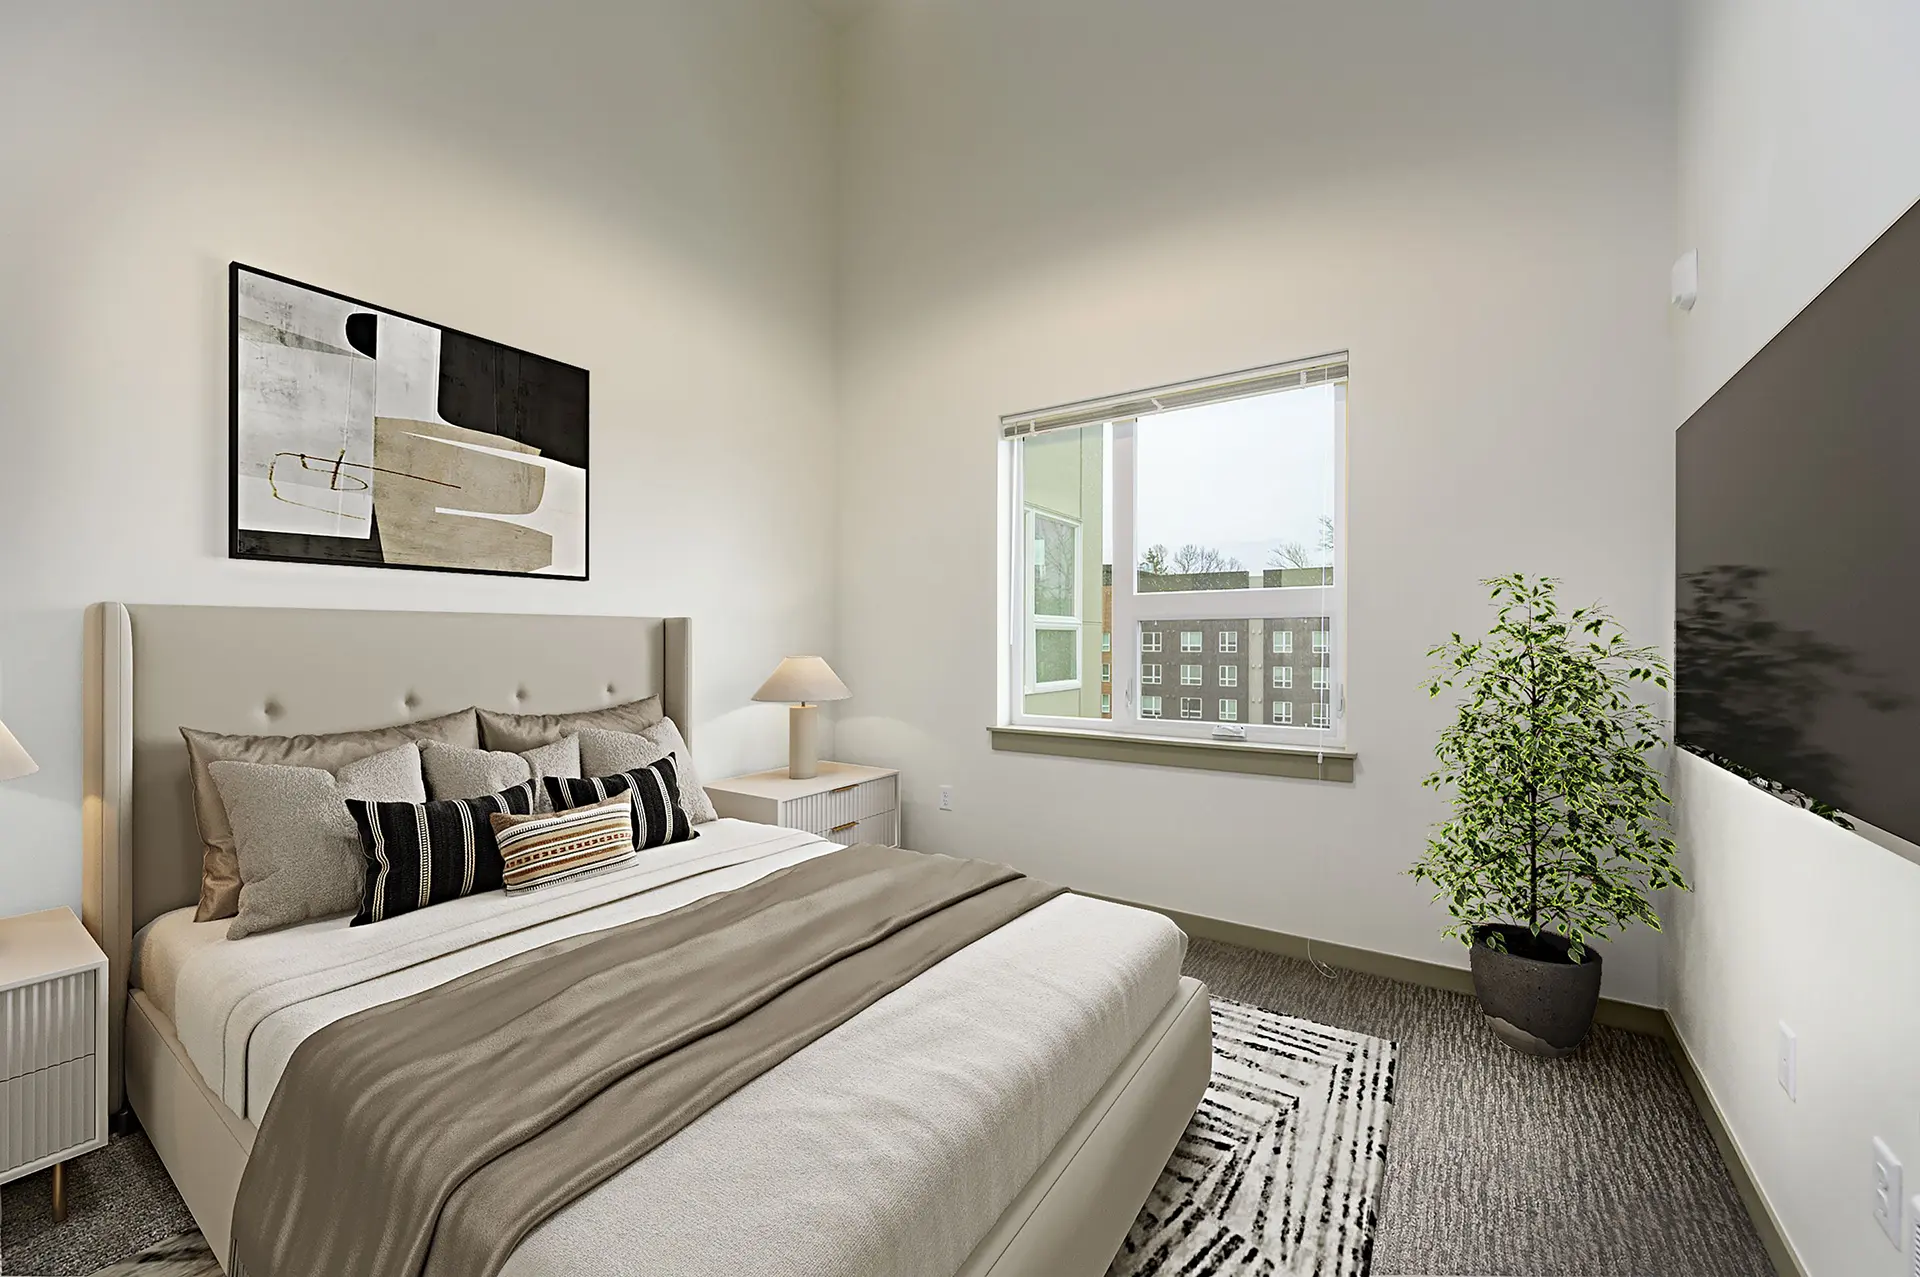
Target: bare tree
{"points": [[1192, 558], [1292, 554]]}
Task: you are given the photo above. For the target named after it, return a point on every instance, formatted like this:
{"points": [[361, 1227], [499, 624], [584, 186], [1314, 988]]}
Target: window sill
{"points": [[1301, 761]]}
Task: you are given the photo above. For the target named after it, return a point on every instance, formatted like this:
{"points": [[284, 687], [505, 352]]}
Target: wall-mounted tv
{"points": [[1797, 629]]}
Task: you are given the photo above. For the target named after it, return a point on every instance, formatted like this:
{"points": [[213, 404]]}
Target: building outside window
{"points": [[1322, 717], [1149, 707], [1283, 713], [1321, 681], [1120, 540]]}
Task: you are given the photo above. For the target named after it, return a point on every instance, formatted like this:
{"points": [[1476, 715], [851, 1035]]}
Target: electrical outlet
{"points": [[946, 798], [1788, 1056], [1886, 1191]]}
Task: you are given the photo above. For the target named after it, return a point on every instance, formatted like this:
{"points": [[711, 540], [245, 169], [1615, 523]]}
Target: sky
{"points": [[1243, 477]]}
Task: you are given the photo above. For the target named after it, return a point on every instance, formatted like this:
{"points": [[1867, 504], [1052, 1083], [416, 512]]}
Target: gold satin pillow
{"points": [[219, 866]]}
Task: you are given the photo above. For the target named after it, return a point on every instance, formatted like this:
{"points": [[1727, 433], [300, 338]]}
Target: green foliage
{"points": [[1559, 819]]}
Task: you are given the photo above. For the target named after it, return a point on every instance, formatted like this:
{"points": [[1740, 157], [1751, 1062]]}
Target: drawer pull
{"points": [[845, 789], [841, 829]]}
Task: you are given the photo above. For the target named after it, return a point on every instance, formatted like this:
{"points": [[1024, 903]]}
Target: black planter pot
{"points": [[1541, 1005]]}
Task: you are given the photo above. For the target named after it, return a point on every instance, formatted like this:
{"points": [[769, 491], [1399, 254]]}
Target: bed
{"points": [[1006, 1112]]}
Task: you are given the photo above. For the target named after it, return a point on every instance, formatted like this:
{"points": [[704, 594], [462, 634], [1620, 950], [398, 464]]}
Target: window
{"points": [[1215, 507], [1149, 707], [1320, 680], [1321, 716], [1283, 713], [1106, 703], [1053, 603], [1150, 674], [1229, 711], [1282, 677]]}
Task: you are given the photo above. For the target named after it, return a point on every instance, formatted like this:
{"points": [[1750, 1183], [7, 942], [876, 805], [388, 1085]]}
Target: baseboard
{"points": [[1631, 1016], [1785, 1262]]}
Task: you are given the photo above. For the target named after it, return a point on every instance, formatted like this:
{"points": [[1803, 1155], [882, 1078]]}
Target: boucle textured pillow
{"points": [[421, 854], [658, 815], [539, 850], [517, 733], [219, 874], [604, 753], [296, 848], [470, 773]]}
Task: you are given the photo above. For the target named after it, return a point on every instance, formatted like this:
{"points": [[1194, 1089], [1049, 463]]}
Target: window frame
{"points": [[1167, 610], [1228, 710], [1199, 678], [1222, 647], [1199, 709], [1031, 622], [1274, 713], [1281, 678], [1156, 667], [1226, 676], [1157, 704]]}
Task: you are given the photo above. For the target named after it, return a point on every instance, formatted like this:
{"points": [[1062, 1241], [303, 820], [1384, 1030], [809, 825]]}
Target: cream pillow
{"points": [[604, 753], [298, 848], [517, 733], [474, 773]]}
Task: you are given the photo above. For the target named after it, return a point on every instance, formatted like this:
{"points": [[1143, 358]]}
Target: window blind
{"points": [[1187, 394]]}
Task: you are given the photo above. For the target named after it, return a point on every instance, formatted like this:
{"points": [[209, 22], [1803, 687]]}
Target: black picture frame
{"points": [[304, 547]]}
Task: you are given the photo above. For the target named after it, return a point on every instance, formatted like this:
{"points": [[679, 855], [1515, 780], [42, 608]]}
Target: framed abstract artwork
{"points": [[365, 437]]}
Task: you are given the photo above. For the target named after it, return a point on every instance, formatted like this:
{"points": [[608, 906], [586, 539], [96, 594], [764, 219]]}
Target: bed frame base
{"points": [[1067, 1222]]}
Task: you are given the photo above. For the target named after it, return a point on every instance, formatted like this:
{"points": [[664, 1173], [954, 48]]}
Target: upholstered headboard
{"points": [[153, 670]]}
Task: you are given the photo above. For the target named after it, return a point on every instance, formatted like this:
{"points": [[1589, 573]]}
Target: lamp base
{"points": [[803, 742]]}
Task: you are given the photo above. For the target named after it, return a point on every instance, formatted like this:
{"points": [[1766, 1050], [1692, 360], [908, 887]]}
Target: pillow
{"points": [[296, 848], [539, 850], [657, 814], [420, 854], [604, 753], [453, 772], [517, 733], [219, 873]]}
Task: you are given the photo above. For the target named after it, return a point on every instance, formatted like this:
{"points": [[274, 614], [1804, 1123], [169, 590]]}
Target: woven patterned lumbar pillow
{"points": [[545, 848], [421, 854], [658, 817]]}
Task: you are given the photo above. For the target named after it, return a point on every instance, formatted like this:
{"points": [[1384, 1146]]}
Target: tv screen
{"points": [[1797, 627]]}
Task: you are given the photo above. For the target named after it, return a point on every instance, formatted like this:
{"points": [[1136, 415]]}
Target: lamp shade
{"points": [[801, 679], [15, 762]]}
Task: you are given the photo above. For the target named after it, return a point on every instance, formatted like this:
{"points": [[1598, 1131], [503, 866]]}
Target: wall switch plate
{"points": [[946, 798], [1887, 1201], [1685, 280], [1787, 1054]]}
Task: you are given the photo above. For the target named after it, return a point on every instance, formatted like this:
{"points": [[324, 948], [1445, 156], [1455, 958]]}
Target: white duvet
{"points": [[890, 1146]]}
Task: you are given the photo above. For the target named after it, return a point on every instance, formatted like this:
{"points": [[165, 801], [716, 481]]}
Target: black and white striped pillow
{"points": [[658, 817], [421, 854]]}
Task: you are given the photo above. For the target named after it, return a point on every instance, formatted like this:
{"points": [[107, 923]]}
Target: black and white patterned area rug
{"points": [[1279, 1172]]}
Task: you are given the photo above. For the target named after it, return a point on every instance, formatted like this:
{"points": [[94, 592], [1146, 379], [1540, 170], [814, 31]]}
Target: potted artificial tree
{"points": [[1559, 832]]}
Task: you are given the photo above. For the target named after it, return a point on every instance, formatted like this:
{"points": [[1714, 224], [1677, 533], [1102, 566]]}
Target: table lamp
{"points": [[803, 681], [15, 762]]}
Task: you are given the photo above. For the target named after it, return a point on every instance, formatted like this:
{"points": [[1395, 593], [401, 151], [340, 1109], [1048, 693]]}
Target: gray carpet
{"points": [[1500, 1164], [1497, 1164]]}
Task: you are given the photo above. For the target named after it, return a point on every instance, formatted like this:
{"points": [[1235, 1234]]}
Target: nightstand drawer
{"points": [[48, 1112], [45, 1024], [822, 813], [872, 829]]}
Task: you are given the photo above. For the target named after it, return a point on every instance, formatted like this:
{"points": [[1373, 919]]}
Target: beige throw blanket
{"points": [[429, 1135]]}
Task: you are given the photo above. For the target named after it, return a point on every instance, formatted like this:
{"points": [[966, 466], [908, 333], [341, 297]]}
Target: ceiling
{"points": [[840, 10]]}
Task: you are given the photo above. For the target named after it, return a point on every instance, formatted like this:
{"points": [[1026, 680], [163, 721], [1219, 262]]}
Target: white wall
{"points": [[1799, 145], [641, 188], [1055, 199]]}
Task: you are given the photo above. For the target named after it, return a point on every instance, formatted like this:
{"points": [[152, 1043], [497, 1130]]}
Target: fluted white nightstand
{"points": [[53, 1046], [845, 802]]}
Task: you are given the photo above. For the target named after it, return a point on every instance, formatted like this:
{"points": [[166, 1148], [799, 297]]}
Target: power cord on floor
{"points": [[1320, 966]]}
